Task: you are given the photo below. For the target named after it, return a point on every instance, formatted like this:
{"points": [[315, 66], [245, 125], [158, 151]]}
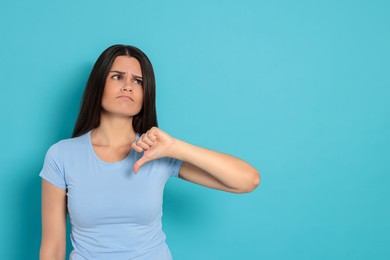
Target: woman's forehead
{"points": [[127, 64]]}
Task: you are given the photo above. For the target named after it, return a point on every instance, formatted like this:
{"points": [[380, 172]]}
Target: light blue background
{"points": [[300, 89]]}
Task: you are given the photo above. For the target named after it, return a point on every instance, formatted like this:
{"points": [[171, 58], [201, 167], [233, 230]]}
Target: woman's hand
{"points": [[155, 144], [202, 166]]}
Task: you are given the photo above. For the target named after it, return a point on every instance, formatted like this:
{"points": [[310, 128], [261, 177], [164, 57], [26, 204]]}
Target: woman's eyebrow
{"points": [[122, 72], [117, 71]]}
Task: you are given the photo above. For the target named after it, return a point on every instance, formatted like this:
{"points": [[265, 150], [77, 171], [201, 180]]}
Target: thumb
{"points": [[141, 161]]}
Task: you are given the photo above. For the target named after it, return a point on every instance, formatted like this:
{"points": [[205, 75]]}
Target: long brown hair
{"points": [[89, 115]]}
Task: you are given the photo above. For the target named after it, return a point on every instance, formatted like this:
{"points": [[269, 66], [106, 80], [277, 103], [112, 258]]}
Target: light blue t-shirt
{"points": [[115, 213]]}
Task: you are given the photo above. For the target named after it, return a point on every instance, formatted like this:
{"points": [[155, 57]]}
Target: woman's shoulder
{"points": [[73, 144]]}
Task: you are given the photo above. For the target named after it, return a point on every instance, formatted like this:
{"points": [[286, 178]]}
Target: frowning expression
{"points": [[123, 91]]}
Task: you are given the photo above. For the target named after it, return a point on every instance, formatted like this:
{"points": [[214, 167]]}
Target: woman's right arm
{"points": [[53, 245]]}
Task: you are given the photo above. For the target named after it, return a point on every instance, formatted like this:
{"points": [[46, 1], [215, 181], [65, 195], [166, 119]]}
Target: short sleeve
{"points": [[175, 167], [53, 170]]}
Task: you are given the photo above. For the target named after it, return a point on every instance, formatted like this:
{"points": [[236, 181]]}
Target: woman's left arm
{"points": [[215, 170], [202, 166]]}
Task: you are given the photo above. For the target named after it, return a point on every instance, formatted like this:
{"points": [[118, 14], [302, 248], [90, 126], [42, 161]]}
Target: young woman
{"points": [[111, 174]]}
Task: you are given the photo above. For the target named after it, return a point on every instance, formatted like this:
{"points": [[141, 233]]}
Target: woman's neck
{"points": [[113, 131]]}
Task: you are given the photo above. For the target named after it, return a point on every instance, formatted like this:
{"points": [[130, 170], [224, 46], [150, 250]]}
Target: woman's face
{"points": [[123, 91]]}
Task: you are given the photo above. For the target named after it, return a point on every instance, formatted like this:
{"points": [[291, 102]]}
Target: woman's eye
{"points": [[117, 77], [138, 81]]}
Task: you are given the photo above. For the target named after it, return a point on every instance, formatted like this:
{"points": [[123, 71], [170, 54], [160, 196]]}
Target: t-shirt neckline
{"points": [[105, 162]]}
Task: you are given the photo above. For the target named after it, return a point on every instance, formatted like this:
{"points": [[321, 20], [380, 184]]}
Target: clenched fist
{"points": [[155, 144]]}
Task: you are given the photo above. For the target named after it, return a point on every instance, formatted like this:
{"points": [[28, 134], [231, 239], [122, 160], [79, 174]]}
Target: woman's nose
{"points": [[127, 87]]}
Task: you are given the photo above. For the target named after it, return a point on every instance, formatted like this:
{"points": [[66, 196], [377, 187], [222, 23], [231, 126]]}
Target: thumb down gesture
{"points": [[155, 144]]}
